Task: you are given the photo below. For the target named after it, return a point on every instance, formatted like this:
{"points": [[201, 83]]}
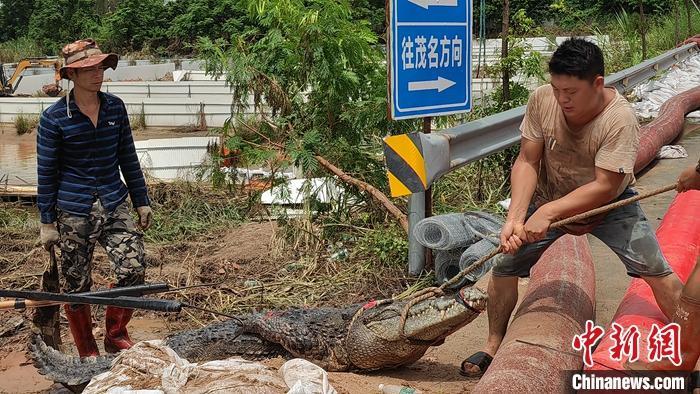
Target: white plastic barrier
{"points": [[170, 112], [174, 158], [140, 73], [31, 84]]}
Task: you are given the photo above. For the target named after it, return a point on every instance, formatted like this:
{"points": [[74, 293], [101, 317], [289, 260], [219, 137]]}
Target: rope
{"points": [[438, 291], [560, 223]]}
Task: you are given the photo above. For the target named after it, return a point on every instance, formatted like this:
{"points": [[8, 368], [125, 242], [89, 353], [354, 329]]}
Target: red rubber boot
{"points": [[116, 336], [80, 323]]}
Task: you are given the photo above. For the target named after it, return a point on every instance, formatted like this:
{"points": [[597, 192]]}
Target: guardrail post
{"points": [[420, 206], [416, 251], [427, 128]]}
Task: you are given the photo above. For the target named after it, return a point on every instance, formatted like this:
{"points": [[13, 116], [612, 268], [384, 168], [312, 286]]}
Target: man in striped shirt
{"points": [[83, 142]]}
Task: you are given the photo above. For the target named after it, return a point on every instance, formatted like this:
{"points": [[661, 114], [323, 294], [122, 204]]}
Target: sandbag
{"points": [[305, 377], [151, 365]]}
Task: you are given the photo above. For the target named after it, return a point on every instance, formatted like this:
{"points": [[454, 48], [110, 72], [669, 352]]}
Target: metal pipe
{"points": [[124, 302]]}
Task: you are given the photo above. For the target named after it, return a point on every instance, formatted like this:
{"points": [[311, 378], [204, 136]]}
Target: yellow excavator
{"points": [[8, 85]]}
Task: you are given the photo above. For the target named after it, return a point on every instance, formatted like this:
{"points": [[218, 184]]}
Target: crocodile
{"points": [[336, 339]]}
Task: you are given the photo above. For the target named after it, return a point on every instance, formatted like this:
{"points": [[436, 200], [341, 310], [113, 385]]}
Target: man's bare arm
{"points": [[523, 182], [584, 198], [592, 195]]}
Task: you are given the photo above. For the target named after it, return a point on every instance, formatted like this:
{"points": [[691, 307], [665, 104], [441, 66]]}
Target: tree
{"points": [[135, 24], [14, 18], [55, 23], [191, 19], [317, 81]]}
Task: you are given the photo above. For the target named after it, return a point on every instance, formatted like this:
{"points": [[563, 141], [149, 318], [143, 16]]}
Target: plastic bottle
{"points": [[396, 389]]}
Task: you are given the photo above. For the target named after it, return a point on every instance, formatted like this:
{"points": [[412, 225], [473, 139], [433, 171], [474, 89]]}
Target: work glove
{"points": [[48, 233], [145, 217]]}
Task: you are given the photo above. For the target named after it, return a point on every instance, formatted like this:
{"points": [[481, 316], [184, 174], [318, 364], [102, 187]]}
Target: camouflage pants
{"points": [[115, 231]]}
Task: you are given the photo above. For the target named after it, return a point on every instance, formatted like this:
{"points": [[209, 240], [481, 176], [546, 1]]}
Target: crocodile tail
{"points": [[64, 368]]}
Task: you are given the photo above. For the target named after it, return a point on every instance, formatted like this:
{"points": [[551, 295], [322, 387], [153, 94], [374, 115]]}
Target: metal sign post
{"points": [[429, 75]]}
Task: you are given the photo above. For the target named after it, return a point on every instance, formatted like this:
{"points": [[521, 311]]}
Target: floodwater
{"points": [[18, 153], [17, 158]]}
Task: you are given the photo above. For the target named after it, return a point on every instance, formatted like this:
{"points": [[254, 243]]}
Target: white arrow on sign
{"points": [[434, 3], [440, 84]]}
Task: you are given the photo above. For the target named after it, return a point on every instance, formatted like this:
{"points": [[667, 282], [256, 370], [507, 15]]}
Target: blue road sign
{"points": [[430, 57]]}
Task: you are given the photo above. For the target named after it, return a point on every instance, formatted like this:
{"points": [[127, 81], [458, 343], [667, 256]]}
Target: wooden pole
{"points": [[677, 25], [689, 13], [21, 304], [643, 29], [504, 51]]}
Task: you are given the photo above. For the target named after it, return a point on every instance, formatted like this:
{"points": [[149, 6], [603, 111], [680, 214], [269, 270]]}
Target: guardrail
{"points": [[441, 152]]}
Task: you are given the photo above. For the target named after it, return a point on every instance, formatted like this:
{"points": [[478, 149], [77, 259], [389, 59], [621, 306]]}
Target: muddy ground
{"points": [[246, 250]]}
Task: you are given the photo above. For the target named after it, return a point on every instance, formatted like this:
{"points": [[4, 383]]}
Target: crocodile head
{"points": [[375, 339]]}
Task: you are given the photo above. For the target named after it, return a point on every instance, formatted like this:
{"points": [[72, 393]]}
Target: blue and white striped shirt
{"points": [[77, 162]]}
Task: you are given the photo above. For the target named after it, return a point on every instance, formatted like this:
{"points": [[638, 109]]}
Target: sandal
{"points": [[694, 381], [479, 359]]}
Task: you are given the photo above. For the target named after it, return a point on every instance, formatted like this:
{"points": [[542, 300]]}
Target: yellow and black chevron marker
{"points": [[405, 164]]}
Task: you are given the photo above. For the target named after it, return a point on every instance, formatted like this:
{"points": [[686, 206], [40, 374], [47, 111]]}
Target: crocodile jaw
{"points": [[428, 320], [437, 318]]}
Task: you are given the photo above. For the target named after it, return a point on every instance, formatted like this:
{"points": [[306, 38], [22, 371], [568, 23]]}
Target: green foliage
{"points": [[494, 102], [661, 32], [137, 119], [25, 124], [17, 49], [388, 246], [203, 18], [476, 186], [371, 11], [173, 27], [316, 69], [567, 16], [184, 210], [16, 219], [624, 48], [134, 25], [55, 23], [575, 16], [14, 18]]}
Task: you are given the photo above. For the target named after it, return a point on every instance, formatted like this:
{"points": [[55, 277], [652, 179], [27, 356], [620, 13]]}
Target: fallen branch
{"points": [[377, 194], [364, 186]]}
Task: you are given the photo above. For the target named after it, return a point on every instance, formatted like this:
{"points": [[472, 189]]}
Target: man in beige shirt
{"points": [[578, 148]]}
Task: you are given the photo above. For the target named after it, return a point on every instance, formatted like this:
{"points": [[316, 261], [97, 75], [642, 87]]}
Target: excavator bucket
{"points": [[51, 90]]}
